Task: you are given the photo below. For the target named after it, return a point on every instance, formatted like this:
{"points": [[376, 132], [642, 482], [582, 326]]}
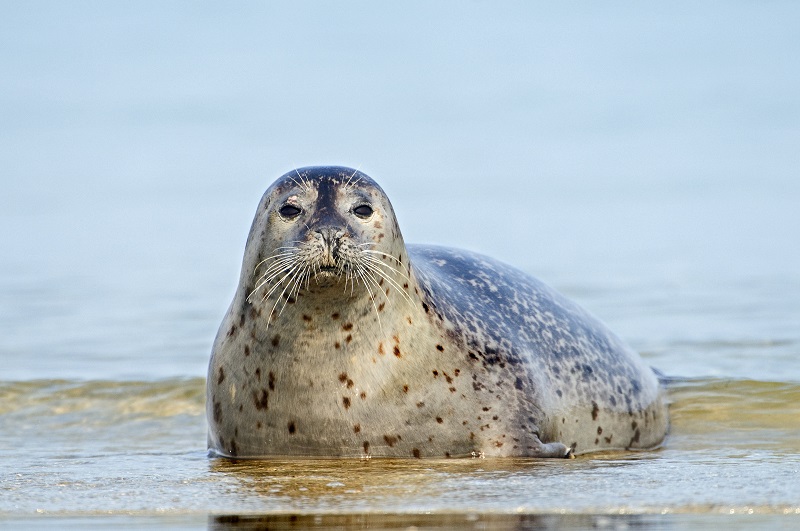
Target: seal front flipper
{"points": [[554, 449]]}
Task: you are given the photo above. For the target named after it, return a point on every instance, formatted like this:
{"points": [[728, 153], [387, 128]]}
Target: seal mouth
{"points": [[329, 269]]}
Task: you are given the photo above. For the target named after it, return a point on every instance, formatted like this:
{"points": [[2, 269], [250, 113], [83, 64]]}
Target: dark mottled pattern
{"points": [[506, 318]]}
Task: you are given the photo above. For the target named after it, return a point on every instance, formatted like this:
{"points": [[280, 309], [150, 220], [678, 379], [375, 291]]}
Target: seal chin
{"points": [[327, 276]]}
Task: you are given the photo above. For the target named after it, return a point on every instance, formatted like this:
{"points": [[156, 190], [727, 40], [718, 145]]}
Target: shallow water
{"points": [[641, 160]]}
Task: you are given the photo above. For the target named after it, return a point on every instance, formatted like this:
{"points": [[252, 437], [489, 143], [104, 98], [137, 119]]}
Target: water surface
{"points": [[641, 159]]}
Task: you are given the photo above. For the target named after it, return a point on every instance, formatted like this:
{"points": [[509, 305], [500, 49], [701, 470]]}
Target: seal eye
{"points": [[289, 211], [363, 211]]}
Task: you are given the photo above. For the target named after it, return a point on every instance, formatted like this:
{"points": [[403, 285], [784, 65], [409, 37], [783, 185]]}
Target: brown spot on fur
{"points": [[390, 440], [306, 317], [346, 402], [452, 389], [595, 410], [232, 330], [349, 384], [366, 447], [247, 350], [405, 388], [447, 455], [381, 306], [440, 348], [435, 373], [334, 316], [439, 420], [396, 351], [425, 307], [261, 401], [349, 338], [217, 412], [271, 383], [363, 395], [357, 428], [221, 376], [380, 349], [420, 404], [292, 428], [608, 439], [337, 345], [347, 327], [415, 453], [276, 339], [599, 430], [343, 377], [242, 319], [258, 373]]}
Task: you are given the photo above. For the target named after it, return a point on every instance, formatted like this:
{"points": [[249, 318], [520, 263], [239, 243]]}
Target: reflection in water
{"points": [[435, 521], [307, 479]]}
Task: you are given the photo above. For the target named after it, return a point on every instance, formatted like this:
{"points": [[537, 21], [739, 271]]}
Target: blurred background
{"points": [[642, 158]]}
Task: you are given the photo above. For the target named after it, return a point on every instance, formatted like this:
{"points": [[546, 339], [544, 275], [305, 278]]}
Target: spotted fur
{"points": [[436, 352]]}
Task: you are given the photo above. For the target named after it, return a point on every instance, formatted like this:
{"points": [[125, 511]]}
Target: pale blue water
{"points": [[641, 158]]}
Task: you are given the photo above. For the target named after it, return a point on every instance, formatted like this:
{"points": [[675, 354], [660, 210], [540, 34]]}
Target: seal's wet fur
{"points": [[354, 344]]}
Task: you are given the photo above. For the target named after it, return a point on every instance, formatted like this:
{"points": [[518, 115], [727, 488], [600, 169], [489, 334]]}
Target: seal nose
{"points": [[331, 239]]}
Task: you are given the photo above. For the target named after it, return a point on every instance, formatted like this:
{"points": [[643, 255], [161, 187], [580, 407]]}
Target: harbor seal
{"points": [[343, 341]]}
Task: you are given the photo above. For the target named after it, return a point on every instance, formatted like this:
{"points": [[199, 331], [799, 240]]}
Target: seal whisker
{"points": [[271, 272], [390, 267], [375, 271], [306, 183], [387, 255], [279, 255], [262, 281], [301, 186], [277, 263], [362, 276], [399, 272], [278, 283], [347, 184], [279, 297], [294, 282]]}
